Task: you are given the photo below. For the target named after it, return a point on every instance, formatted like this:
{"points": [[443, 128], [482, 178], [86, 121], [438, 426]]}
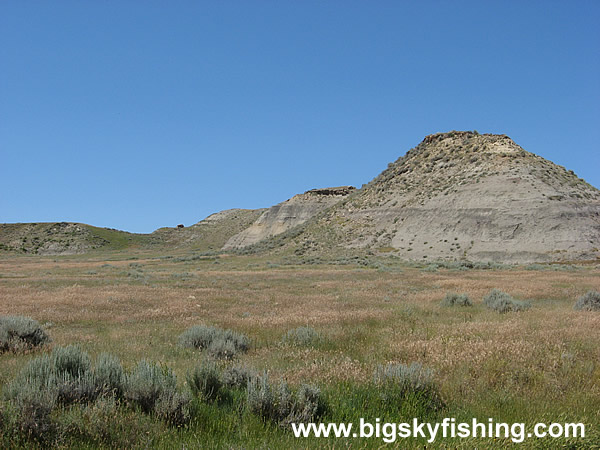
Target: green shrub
{"points": [[588, 302], [37, 372], [103, 424], [205, 381], [173, 408], [147, 383], [222, 348], [198, 336], [237, 376], [64, 378], [502, 302], [32, 406], [71, 389], [399, 382], [240, 341], [109, 375], [309, 406], [302, 336], [277, 403], [19, 333], [71, 360], [452, 299], [260, 397], [221, 344]]}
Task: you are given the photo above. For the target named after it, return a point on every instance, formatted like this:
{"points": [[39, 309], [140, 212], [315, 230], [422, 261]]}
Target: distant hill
{"points": [[456, 196], [63, 238]]}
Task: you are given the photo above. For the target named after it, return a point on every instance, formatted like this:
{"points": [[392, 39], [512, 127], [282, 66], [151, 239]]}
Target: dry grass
{"points": [[366, 317]]}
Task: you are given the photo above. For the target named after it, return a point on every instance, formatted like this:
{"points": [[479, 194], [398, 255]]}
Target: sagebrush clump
{"points": [[220, 343], [237, 376], [277, 403], [153, 388], [109, 375], [67, 377], [205, 381], [147, 383], [588, 302], [18, 333], [302, 336], [502, 302], [452, 299], [398, 383]]}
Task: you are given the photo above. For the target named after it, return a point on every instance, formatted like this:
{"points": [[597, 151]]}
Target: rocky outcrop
{"points": [[288, 214]]}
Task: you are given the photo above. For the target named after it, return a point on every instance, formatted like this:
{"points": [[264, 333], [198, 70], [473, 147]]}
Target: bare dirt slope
{"points": [[210, 234], [462, 195], [288, 214]]}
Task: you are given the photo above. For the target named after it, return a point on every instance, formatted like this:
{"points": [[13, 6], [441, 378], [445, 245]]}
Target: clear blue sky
{"points": [[142, 114]]}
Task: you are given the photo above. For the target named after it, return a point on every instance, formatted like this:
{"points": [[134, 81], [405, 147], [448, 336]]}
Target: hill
{"points": [[288, 214], [64, 238], [210, 234], [456, 196], [462, 195]]}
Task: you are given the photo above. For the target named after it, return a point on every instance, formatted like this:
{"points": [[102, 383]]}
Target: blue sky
{"points": [[142, 114]]}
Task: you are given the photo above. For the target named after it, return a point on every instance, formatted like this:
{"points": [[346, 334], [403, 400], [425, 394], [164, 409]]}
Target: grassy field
{"points": [[539, 365]]}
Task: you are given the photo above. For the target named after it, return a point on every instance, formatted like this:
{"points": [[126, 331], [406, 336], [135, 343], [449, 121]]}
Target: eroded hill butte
{"points": [[457, 195], [288, 214]]}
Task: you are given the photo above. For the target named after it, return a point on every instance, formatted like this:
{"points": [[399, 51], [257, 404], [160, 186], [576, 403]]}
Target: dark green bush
{"points": [[502, 302], [205, 381], [18, 333], [452, 299], [588, 302]]}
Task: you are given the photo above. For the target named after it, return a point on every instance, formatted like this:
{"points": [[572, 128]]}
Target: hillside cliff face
{"points": [[461, 195], [288, 214]]}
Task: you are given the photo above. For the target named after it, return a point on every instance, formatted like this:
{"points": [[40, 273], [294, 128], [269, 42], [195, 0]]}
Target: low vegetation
{"points": [[502, 302], [219, 343], [277, 403], [401, 383], [302, 336], [18, 333], [378, 346], [452, 299], [588, 302]]}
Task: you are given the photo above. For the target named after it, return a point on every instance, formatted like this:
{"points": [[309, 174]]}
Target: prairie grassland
{"points": [[540, 365]]}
